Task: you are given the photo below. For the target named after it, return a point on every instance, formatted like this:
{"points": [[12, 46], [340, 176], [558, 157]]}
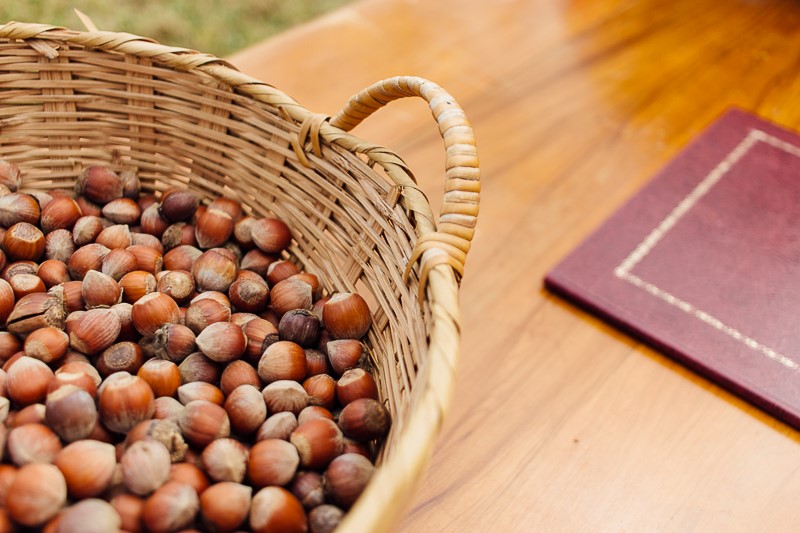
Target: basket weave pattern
{"points": [[185, 119]]}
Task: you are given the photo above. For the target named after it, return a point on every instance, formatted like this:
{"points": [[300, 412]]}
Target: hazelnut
{"points": [[9, 345], [200, 390], [246, 409], [88, 467], [181, 257], [346, 316], [214, 271], [136, 285], [167, 408], [32, 443], [364, 419], [277, 509], [280, 270], [17, 267], [75, 365], [272, 462], [278, 426], [324, 518], [70, 295], [174, 342], [99, 184], [124, 401], [23, 284], [290, 294], [81, 379], [353, 446], [52, 272], [127, 332], [100, 290], [300, 326], [241, 319], [213, 228], [203, 422], [131, 186], [115, 237], [130, 508], [283, 360], [7, 475], [152, 222], [120, 357], [224, 506], [36, 495], [321, 390], [30, 414], [346, 478], [178, 284], [89, 516], [257, 261], [311, 279], [354, 384], [249, 292], [28, 380], [225, 460], [204, 312], [18, 207], [150, 241], [120, 211], [88, 208], [171, 507], [318, 441], [164, 431], [147, 258], [285, 395], [118, 262], [96, 330], [178, 234], [152, 311], [238, 373], [145, 200], [242, 232], [162, 376], [86, 230], [5, 407], [230, 206], [307, 487], [86, 258], [7, 300], [145, 466], [10, 175], [189, 474], [23, 242], [222, 342], [344, 354], [46, 344], [213, 295], [316, 363], [60, 213], [71, 413], [198, 367], [271, 235], [179, 204]]}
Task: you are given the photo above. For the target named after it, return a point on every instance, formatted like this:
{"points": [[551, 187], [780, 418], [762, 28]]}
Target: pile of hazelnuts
{"points": [[166, 368]]}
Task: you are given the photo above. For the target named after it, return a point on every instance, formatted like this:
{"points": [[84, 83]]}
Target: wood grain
{"points": [[561, 423]]}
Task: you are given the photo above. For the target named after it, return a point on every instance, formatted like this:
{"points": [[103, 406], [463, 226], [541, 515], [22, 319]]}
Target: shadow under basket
{"points": [[185, 119]]}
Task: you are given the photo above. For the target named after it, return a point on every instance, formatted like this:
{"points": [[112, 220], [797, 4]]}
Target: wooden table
{"points": [[560, 422]]}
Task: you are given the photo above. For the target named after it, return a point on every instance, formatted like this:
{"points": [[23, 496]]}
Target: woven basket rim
{"points": [[442, 253]]}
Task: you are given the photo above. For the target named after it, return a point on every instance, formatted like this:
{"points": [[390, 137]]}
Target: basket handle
{"points": [[450, 242]]}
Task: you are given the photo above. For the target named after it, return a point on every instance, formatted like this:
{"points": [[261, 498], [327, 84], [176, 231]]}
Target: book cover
{"points": [[703, 263]]}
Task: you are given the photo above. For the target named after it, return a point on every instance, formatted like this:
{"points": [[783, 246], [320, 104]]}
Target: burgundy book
{"points": [[704, 262]]}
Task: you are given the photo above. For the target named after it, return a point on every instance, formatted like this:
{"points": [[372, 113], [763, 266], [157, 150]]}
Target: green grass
{"points": [[218, 27]]}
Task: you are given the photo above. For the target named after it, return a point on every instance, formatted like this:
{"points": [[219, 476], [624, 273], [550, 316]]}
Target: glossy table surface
{"points": [[560, 422]]}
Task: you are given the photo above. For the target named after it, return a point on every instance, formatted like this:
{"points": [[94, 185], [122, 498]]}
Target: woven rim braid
{"points": [[187, 119]]}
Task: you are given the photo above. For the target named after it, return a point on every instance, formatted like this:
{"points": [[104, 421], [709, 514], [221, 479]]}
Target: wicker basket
{"points": [[182, 118]]}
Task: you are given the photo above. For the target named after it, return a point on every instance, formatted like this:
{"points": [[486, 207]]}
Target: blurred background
{"points": [[218, 27]]}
